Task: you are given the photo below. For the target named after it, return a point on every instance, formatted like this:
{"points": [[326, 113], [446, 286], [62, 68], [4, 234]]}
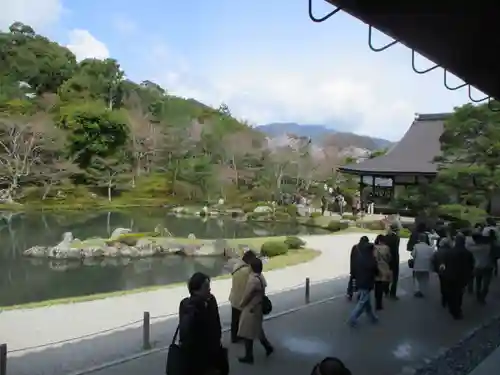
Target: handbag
{"points": [[411, 263], [267, 305], [174, 357]]}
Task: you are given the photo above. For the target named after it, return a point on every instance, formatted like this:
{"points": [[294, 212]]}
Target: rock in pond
{"points": [[144, 247]]}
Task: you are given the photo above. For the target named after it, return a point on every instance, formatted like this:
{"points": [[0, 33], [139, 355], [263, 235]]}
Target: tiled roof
{"points": [[413, 154]]}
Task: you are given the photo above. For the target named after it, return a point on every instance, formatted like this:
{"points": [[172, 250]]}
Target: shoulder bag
{"points": [[174, 357], [267, 305]]}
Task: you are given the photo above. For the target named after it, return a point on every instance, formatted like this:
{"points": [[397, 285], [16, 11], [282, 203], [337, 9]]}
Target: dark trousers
{"points": [[235, 322], [470, 285], [395, 278], [381, 288], [483, 278], [263, 341], [323, 208], [442, 289], [454, 293]]}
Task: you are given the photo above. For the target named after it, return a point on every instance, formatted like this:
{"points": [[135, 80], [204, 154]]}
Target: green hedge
{"points": [[335, 226], [273, 248], [349, 217], [374, 225], [294, 242]]}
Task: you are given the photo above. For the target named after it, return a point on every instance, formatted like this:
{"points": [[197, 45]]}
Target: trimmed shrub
{"points": [[258, 216], [273, 248], [315, 214], [249, 207], [292, 210], [335, 226], [374, 225], [349, 217], [131, 239], [294, 242], [281, 216]]}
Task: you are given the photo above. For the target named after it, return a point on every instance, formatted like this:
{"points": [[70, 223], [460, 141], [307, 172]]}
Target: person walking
{"points": [[323, 205], [384, 277], [252, 315], [365, 271], [239, 278], [480, 247], [422, 255], [392, 240], [445, 245], [351, 284], [415, 235], [200, 329], [456, 266], [491, 225]]}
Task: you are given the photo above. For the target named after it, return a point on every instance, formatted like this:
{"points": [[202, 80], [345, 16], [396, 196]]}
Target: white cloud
{"points": [[270, 92], [376, 97], [36, 13], [84, 45], [124, 24]]}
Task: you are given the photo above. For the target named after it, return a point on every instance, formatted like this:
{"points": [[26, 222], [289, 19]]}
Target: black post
{"points": [[146, 345], [308, 290], [3, 359]]}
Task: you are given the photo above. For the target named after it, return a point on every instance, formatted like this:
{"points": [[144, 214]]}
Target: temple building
{"points": [[408, 162]]}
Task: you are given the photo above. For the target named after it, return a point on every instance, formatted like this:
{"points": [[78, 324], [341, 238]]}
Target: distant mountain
{"points": [[320, 133]]}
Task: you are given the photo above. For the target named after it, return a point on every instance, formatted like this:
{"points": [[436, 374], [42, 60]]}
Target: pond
{"points": [[24, 280]]}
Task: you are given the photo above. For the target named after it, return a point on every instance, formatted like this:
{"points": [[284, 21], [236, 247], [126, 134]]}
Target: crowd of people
{"points": [[200, 350], [463, 260]]}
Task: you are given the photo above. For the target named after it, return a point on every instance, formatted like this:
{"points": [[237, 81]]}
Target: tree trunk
{"points": [[109, 192], [237, 175]]}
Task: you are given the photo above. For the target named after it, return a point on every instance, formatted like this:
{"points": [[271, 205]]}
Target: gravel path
{"points": [[465, 356], [34, 327]]}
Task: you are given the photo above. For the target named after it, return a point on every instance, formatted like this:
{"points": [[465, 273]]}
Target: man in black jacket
{"points": [[365, 270], [393, 240], [200, 328], [351, 287], [455, 266]]}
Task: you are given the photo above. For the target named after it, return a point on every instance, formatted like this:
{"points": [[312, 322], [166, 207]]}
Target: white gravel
{"points": [[32, 327]]}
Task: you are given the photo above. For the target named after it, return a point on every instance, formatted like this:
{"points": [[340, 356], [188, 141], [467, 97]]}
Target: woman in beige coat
{"points": [[239, 279], [384, 278], [252, 317]]}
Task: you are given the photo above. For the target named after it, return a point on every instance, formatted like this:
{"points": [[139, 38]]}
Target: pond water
{"points": [[24, 280]]}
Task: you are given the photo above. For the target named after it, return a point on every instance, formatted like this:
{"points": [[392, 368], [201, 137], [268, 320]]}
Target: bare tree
{"points": [[21, 144], [236, 147], [143, 143]]}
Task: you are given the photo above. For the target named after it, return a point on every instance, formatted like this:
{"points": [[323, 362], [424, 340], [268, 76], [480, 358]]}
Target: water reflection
{"points": [[25, 280]]}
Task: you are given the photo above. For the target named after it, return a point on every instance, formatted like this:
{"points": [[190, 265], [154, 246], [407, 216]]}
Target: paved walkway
{"points": [[410, 331], [28, 328]]}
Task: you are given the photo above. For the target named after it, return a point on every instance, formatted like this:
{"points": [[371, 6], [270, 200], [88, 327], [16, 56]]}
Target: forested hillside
{"points": [[81, 130]]}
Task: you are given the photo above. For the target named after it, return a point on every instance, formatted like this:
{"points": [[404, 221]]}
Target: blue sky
{"points": [[267, 60]]}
